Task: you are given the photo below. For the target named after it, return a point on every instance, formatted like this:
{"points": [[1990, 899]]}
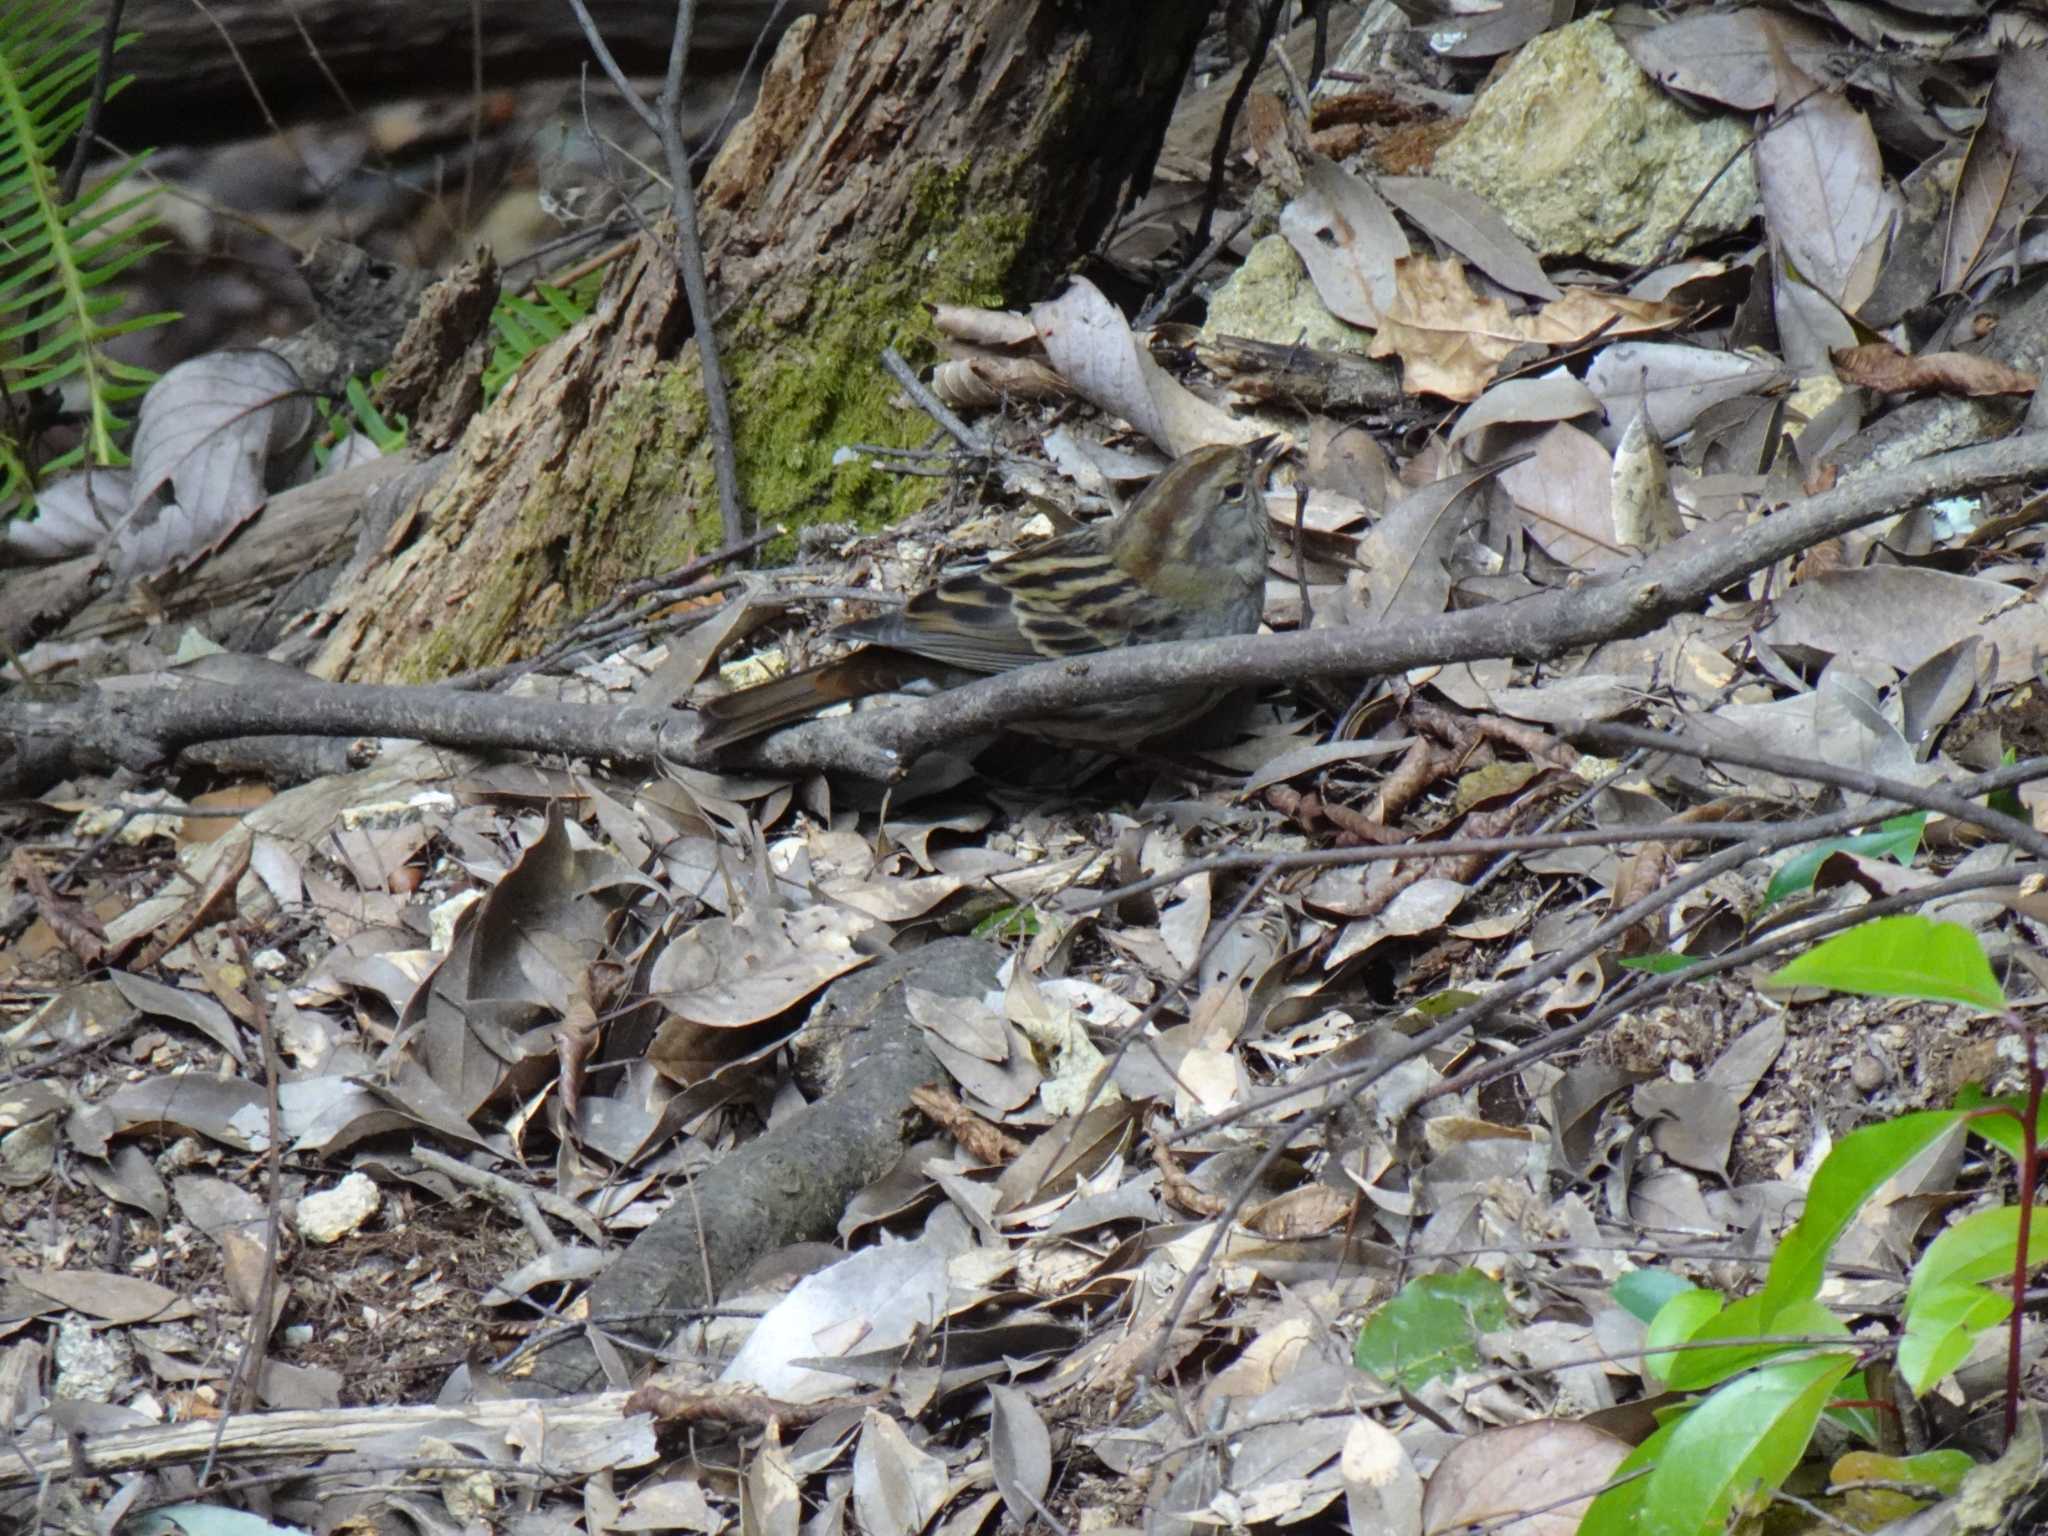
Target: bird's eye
{"points": [[1234, 491]]}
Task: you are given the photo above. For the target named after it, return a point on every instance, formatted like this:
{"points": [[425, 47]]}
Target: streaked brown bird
{"points": [[1186, 561]]}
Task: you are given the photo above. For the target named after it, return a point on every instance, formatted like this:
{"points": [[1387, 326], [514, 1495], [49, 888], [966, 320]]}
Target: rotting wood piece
{"points": [[278, 564], [1265, 373], [792, 1183]]}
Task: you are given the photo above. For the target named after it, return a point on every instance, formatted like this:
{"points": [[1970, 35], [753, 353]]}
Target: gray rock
{"points": [[1270, 298], [1584, 156]]}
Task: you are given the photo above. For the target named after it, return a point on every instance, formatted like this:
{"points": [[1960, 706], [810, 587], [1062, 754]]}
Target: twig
{"points": [[248, 1372], [933, 406], [1650, 988], [674, 586], [1308, 609], [1927, 797], [616, 635], [476, 110], [1562, 814], [1769, 838], [1439, 848], [1172, 293], [597, 627], [1293, 79], [498, 1189], [666, 119], [139, 730], [102, 80], [668, 583], [1677, 578], [770, 30], [1356, 1079], [1779, 118], [1219, 155]]}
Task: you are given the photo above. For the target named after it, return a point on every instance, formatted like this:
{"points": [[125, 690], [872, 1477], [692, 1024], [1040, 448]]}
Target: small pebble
{"points": [[334, 1213], [1869, 1073]]}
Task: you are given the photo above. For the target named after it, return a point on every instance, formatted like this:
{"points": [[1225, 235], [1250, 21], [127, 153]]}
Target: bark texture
{"points": [[899, 155]]}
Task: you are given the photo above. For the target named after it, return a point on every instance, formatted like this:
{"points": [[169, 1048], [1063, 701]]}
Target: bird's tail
{"points": [[758, 710]]}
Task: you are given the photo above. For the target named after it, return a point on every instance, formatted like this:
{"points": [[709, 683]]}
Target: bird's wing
{"points": [[1064, 598]]}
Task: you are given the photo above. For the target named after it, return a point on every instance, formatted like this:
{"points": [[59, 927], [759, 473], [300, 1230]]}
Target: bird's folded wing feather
{"points": [[1065, 598]]}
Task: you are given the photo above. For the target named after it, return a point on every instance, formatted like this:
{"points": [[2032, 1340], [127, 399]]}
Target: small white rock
{"points": [[334, 1213], [91, 1366]]}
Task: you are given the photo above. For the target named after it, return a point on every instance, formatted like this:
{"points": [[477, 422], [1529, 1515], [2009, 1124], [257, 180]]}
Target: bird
{"points": [[1185, 561]]}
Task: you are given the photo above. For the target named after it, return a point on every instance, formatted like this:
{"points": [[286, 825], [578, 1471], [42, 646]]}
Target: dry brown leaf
{"points": [[208, 905], [1881, 366], [1091, 345], [227, 807], [1309, 1211], [1181, 1190], [983, 383], [1450, 339], [984, 327], [1645, 512], [1543, 1474], [74, 923]]}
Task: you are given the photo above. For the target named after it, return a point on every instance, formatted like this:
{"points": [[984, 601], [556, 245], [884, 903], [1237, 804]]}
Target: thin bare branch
{"points": [[665, 118]]}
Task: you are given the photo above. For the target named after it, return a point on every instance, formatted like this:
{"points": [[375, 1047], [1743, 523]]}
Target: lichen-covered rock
{"points": [[1585, 156], [1270, 298]]}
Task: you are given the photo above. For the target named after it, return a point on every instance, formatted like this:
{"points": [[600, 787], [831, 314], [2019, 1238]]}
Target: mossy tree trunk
{"points": [[900, 155]]}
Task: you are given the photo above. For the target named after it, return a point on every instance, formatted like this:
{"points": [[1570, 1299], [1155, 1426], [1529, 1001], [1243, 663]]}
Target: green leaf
{"points": [[1860, 1162], [1898, 838], [1009, 923], [1947, 1302], [1643, 1292], [1907, 956], [1749, 1434], [2002, 1131], [1431, 1328], [1944, 1327], [1758, 1334], [1441, 1005], [524, 327], [1679, 1322], [1978, 1248], [1619, 1511], [2007, 801]]}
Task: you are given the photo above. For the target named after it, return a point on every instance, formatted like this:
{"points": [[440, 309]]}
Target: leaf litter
{"points": [[1088, 1299]]}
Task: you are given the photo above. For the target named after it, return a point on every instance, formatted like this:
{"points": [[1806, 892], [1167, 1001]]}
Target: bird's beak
{"points": [[1266, 451]]}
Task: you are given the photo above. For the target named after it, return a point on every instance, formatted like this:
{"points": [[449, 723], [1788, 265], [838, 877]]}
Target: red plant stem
{"points": [[2030, 1172]]}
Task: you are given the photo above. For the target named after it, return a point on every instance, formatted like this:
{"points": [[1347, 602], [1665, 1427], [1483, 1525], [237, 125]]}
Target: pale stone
{"points": [[1584, 155], [334, 1213], [1271, 299]]}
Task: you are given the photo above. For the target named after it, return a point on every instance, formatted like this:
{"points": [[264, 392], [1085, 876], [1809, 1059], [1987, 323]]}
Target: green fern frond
{"points": [[59, 259], [524, 327]]}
